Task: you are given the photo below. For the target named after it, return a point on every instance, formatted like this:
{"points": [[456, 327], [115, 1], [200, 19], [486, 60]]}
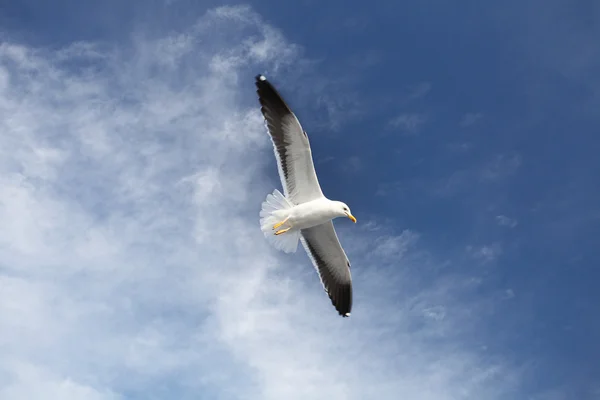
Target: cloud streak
{"points": [[503, 220], [131, 261], [408, 123]]}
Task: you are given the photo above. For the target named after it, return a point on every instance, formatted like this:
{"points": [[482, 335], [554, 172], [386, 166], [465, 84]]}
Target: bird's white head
{"points": [[342, 210]]}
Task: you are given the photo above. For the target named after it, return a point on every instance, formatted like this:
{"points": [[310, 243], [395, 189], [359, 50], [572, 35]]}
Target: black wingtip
{"points": [[262, 83], [342, 300], [269, 96]]}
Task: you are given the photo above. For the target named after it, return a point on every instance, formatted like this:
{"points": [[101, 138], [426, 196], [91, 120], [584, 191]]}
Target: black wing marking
{"points": [[291, 145], [328, 257]]}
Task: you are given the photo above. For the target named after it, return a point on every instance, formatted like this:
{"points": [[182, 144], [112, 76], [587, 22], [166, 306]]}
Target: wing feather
{"points": [[324, 248], [291, 145]]}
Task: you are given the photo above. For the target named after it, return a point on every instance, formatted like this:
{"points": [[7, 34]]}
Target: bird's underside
{"points": [[300, 184]]}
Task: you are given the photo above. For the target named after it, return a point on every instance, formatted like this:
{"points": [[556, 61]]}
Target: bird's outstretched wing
{"points": [[328, 257], [291, 145]]}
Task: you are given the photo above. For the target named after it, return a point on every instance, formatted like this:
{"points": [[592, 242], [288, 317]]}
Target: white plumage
{"points": [[302, 212]]}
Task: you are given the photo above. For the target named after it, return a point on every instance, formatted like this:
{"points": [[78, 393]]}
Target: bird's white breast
{"points": [[311, 213]]}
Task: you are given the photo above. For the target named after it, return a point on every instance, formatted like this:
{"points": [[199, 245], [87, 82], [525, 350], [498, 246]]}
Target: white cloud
{"points": [[460, 147], [395, 246], [408, 123], [351, 165], [34, 383], [131, 261], [486, 253], [503, 220], [501, 167]]}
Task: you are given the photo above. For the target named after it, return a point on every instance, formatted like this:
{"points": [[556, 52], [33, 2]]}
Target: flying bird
{"points": [[302, 213]]}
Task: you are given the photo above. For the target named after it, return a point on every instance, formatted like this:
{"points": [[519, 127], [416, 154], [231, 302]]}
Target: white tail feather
{"points": [[275, 209]]}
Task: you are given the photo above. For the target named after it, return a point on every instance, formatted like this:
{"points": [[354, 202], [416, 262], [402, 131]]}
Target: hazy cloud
{"points": [[503, 220], [470, 119], [486, 253], [408, 123], [131, 260], [502, 166], [418, 91]]}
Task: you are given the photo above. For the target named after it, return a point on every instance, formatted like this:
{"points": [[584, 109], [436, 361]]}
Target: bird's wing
{"points": [[328, 257], [290, 142]]}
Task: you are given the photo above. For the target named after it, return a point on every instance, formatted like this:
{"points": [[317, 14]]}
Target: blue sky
{"points": [[133, 161]]}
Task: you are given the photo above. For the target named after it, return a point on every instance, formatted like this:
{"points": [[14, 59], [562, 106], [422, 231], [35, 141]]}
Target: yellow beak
{"points": [[351, 217]]}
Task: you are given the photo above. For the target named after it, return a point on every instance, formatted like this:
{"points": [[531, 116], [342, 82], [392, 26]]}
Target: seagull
{"points": [[302, 213]]}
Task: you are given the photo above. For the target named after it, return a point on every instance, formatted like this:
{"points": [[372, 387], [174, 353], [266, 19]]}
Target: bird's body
{"points": [[309, 214], [302, 213]]}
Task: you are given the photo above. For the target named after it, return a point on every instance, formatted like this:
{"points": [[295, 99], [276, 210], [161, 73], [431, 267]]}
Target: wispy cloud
{"points": [[131, 261], [414, 93], [485, 253], [408, 123], [352, 164], [503, 220], [470, 119], [460, 147], [395, 246], [496, 169], [418, 91], [502, 166]]}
